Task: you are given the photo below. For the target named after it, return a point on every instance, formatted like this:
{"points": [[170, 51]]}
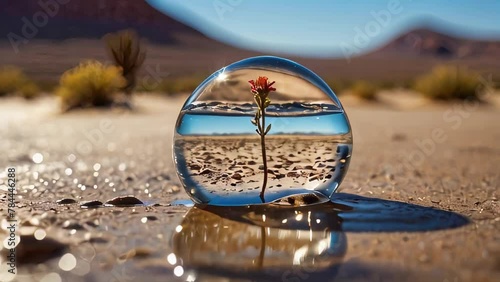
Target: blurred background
{"points": [[358, 47]]}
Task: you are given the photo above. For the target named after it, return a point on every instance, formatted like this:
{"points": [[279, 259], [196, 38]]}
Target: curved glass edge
{"points": [[273, 62]]}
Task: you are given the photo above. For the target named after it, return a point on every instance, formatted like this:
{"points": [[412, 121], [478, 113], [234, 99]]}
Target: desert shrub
{"points": [[125, 50], [90, 84], [448, 82], [185, 84], [29, 91], [173, 85], [339, 86], [13, 81], [364, 89]]}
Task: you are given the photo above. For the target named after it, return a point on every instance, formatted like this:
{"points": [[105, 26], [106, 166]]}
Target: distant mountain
{"points": [[65, 19], [424, 41], [46, 40]]}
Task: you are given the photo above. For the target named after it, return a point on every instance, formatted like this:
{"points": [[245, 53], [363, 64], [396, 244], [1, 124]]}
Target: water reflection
{"points": [[273, 242], [265, 242]]}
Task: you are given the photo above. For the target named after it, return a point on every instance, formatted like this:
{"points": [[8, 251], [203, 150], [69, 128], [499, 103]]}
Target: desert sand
{"points": [[419, 202]]}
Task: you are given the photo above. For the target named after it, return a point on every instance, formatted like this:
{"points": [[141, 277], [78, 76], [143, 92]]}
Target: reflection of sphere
{"points": [[213, 244], [219, 155]]}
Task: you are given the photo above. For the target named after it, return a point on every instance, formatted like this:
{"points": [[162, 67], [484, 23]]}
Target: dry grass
{"points": [[364, 90], [174, 85], [448, 83], [91, 84], [13, 81]]}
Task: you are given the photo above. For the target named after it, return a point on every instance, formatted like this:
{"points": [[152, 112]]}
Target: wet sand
{"points": [[440, 156]]}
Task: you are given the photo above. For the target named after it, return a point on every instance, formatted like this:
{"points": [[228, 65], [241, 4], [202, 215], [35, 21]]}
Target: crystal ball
{"points": [[260, 130]]}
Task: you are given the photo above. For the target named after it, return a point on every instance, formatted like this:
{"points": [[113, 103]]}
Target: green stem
{"points": [[263, 147]]}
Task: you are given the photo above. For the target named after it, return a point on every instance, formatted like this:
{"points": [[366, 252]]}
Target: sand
{"points": [[441, 156], [231, 166]]}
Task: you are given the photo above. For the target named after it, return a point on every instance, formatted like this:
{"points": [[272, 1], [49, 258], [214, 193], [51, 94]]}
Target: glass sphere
{"points": [[241, 139]]}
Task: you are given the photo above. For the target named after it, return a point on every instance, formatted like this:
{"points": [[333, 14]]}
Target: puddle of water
{"points": [[275, 242], [263, 246]]}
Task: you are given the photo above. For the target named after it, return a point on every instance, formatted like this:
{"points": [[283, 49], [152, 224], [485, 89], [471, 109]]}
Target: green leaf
{"points": [[267, 102], [257, 100], [267, 129]]}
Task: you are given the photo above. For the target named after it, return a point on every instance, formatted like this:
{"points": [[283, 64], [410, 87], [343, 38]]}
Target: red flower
{"points": [[261, 85]]}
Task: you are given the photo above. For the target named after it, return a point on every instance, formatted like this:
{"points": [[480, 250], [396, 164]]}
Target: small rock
{"points": [[91, 204], [315, 177], [66, 201], [205, 171], [236, 176], [195, 167], [45, 250], [398, 137], [124, 201]]}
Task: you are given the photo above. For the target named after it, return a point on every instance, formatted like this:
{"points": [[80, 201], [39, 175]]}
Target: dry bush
{"points": [[14, 82], [125, 50], [91, 84], [449, 82], [174, 85], [339, 86], [364, 90]]}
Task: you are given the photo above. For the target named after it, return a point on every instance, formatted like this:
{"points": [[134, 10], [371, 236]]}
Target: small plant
{"points": [[339, 86], [173, 85], [29, 91], [125, 50], [13, 81], [449, 82], [261, 89], [364, 90], [90, 84]]}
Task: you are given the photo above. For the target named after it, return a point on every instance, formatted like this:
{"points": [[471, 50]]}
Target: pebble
{"points": [[124, 201], [91, 204], [66, 201], [45, 250], [236, 176]]}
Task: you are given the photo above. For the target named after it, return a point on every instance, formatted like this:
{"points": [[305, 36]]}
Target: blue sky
{"points": [[329, 27]]}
